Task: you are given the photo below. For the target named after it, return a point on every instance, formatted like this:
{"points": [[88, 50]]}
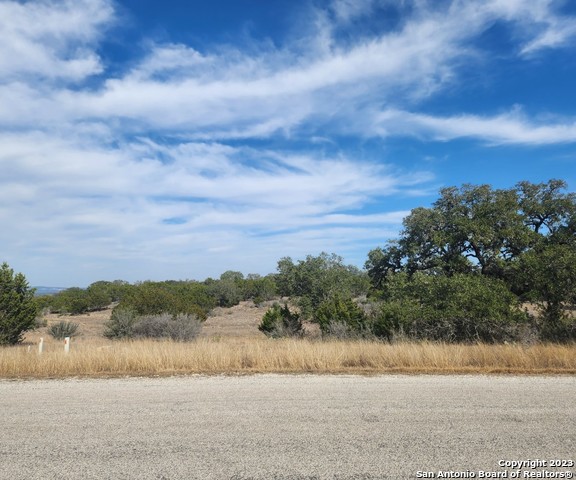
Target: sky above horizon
{"points": [[180, 139]]}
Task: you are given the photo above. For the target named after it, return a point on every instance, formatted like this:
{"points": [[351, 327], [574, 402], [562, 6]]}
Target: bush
{"points": [[18, 309], [98, 296], [127, 324], [341, 330], [392, 318], [461, 308], [258, 289], [561, 329], [317, 279], [61, 330], [332, 314], [280, 322], [548, 275], [155, 298], [121, 323], [181, 328], [225, 292], [72, 300]]}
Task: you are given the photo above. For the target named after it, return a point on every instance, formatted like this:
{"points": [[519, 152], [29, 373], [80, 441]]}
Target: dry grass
{"points": [[95, 358], [231, 344]]}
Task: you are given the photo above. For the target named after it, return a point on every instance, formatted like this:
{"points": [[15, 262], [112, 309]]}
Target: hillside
{"points": [[239, 321]]}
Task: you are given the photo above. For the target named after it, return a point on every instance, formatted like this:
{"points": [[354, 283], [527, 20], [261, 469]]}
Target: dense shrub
{"points": [[121, 323], [461, 308], [63, 329], [259, 289], [338, 329], [74, 301], [99, 296], [316, 279], [281, 322], [225, 292], [558, 329], [338, 312], [155, 298], [18, 310], [548, 276]]}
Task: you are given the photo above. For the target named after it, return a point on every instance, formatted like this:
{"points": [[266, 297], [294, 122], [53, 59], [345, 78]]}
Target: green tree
{"points": [[232, 276], [74, 300], [154, 298], [479, 224], [468, 229], [458, 308], [99, 295], [317, 279], [258, 288], [383, 262], [227, 291], [546, 207], [548, 276], [18, 309], [478, 229]]}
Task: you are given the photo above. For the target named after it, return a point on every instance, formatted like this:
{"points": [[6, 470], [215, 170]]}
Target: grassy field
{"points": [[98, 358], [230, 343]]}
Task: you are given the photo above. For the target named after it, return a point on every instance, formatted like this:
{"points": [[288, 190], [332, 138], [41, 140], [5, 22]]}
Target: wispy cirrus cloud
{"points": [[228, 92], [187, 151], [189, 200], [510, 128], [52, 40]]}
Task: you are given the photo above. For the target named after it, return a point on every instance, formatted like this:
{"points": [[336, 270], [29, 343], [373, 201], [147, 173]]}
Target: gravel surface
{"points": [[284, 427]]}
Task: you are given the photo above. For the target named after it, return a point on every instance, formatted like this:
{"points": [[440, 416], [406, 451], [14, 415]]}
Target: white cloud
{"points": [[86, 185], [51, 39], [507, 128], [67, 198], [347, 10], [226, 93]]}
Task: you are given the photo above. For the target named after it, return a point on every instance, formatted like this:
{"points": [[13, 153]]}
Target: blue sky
{"points": [[178, 139]]}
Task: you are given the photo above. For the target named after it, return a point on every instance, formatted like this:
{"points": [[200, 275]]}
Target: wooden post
{"points": [[41, 346], [67, 345]]}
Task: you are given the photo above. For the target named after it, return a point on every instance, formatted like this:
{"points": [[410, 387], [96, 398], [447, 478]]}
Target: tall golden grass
{"points": [[241, 356]]}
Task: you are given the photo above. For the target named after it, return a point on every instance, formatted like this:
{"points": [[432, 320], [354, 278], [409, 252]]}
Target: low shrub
{"points": [[127, 324], [341, 330], [181, 327], [335, 313], [121, 323], [557, 329], [280, 322], [63, 329]]}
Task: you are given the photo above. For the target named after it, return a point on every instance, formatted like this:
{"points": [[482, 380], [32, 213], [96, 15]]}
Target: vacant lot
{"points": [[281, 427], [231, 343], [239, 321]]}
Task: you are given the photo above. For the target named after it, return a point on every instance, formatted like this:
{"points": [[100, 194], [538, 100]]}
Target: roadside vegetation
{"points": [[285, 355], [481, 270]]}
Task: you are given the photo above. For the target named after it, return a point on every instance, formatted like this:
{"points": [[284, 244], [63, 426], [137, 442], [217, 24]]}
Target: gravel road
{"points": [[283, 427]]}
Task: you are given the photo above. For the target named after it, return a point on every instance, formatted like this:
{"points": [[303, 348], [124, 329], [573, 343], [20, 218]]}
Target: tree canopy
{"points": [[524, 236], [17, 307]]}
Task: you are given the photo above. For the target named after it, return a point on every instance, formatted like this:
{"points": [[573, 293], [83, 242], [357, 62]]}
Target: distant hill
{"points": [[48, 290]]}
